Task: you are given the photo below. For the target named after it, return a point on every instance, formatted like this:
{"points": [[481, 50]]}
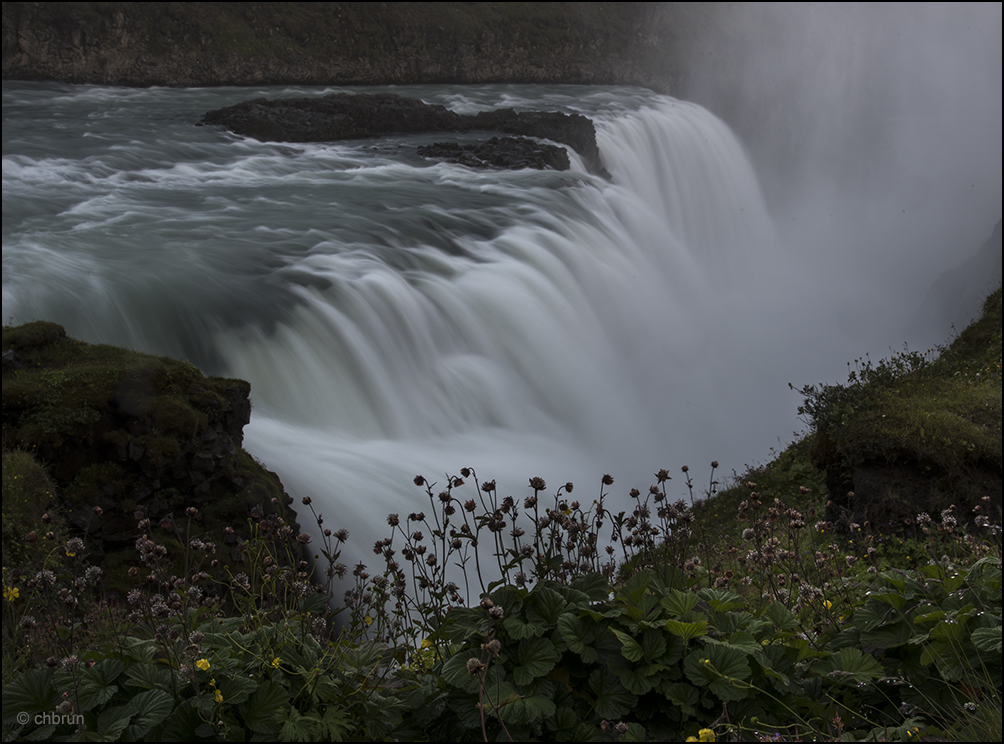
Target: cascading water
{"points": [[398, 317]]}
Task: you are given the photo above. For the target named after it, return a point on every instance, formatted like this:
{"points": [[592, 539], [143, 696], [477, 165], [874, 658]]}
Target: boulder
{"points": [[342, 116]]}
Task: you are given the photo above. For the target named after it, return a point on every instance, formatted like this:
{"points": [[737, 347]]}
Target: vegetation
{"points": [[746, 615]]}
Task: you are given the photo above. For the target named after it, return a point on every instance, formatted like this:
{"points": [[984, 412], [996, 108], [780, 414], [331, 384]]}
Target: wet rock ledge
{"points": [[343, 116]]}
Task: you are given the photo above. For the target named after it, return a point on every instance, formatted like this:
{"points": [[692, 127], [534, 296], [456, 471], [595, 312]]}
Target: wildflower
{"points": [[276, 662], [203, 664], [474, 666], [706, 734], [218, 697], [10, 593]]}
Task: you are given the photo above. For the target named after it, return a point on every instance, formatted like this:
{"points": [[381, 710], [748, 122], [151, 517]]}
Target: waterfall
{"points": [[396, 317]]}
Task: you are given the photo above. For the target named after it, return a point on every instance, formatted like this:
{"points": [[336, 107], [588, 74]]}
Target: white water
{"points": [[396, 317]]}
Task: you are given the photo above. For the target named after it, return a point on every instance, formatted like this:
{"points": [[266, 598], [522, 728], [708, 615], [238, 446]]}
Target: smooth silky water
{"points": [[397, 316]]}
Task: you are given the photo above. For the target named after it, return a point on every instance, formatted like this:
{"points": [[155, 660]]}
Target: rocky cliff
{"points": [[200, 44], [132, 433]]}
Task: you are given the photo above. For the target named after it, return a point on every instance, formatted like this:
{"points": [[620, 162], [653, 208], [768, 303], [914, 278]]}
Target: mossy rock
{"points": [[132, 433], [922, 440]]}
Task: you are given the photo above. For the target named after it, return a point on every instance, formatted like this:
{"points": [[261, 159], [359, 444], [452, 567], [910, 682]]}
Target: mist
{"points": [[875, 131]]}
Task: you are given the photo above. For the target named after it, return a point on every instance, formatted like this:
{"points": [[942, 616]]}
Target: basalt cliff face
{"points": [[201, 44]]}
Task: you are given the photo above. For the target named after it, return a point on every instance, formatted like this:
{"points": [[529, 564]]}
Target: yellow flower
{"points": [[426, 643], [218, 697], [368, 620], [10, 593], [706, 735], [827, 604], [276, 662], [203, 664]]}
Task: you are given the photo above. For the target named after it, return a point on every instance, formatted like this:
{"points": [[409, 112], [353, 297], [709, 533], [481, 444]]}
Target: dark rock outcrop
{"points": [[133, 433], [343, 116], [499, 152]]}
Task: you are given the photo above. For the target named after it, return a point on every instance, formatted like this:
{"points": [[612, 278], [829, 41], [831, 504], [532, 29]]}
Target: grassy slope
{"points": [[943, 414]]}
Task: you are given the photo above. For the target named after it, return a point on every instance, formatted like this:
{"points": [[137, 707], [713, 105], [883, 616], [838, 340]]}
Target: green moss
{"points": [[921, 431], [28, 493]]}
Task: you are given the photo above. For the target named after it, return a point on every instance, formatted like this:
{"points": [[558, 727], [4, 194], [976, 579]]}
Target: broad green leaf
{"points": [[894, 599], [612, 700], [886, 636], [531, 708], [849, 636], [730, 622], [148, 677], [851, 665], [636, 586], [335, 724], [781, 617], [31, 692], [720, 668], [297, 727], [237, 689], [563, 723], [139, 649], [264, 706], [544, 606], [987, 639], [629, 646], [721, 600], [183, 723], [536, 657], [686, 696], [873, 615], [578, 636], [687, 631], [314, 603], [499, 694], [150, 709], [594, 585], [113, 721], [43, 733], [519, 629], [805, 649], [634, 680], [462, 623], [678, 603], [894, 578], [952, 629], [653, 644], [745, 643]]}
